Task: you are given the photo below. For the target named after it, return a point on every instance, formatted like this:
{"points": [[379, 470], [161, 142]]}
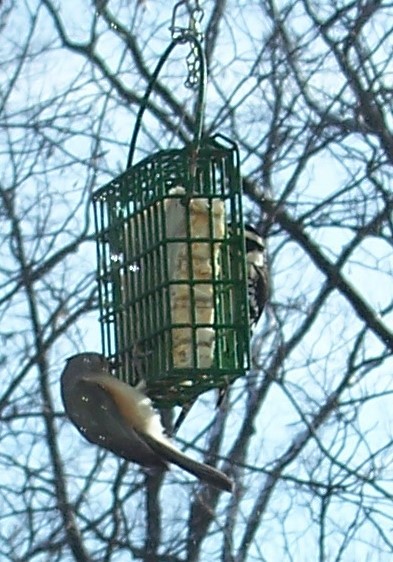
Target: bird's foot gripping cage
{"points": [[171, 271]]}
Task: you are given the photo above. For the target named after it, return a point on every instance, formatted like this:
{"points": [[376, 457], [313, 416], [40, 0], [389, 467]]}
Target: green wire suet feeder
{"points": [[172, 279]]}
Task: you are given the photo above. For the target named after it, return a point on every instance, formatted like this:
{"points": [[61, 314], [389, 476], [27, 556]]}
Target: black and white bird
{"points": [[257, 290], [257, 282], [257, 274]]}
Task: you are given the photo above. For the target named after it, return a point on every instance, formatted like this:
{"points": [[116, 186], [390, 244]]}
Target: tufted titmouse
{"points": [[121, 418]]}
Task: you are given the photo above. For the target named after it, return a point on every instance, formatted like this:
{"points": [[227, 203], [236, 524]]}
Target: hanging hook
{"points": [[182, 34], [194, 23], [177, 31]]}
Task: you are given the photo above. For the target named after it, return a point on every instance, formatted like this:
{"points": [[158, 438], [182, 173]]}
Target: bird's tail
{"points": [[204, 472]]}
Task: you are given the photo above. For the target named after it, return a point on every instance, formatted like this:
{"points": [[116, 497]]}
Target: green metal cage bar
{"points": [[136, 290]]}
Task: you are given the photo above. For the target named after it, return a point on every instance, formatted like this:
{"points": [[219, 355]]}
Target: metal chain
{"points": [[182, 33]]}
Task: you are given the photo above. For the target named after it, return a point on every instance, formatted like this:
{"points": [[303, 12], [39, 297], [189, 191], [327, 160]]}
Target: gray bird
{"points": [[121, 418]]}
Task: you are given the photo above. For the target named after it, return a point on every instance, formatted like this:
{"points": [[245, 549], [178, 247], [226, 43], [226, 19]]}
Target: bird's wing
{"points": [[96, 414], [136, 409]]}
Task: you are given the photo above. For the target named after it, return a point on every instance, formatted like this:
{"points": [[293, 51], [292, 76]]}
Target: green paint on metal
{"points": [[134, 282]]}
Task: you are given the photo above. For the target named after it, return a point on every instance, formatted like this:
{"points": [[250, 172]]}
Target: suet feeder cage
{"points": [[171, 265]]}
